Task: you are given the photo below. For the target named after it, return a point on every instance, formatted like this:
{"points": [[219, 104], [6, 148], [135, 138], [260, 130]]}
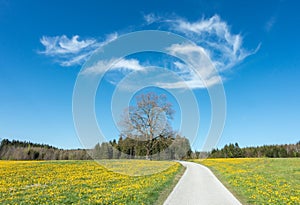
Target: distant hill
{"points": [[20, 150]]}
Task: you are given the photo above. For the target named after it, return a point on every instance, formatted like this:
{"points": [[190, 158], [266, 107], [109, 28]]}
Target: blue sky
{"points": [[254, 45]]}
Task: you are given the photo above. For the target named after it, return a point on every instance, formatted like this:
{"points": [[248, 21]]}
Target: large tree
{"points": [[148, 120]]}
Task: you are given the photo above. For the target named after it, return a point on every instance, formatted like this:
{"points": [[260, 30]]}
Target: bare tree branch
{"points": [[149, 119]]}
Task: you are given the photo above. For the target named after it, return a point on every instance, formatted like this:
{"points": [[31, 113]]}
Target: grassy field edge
{"points": [[87, 182], [258, 180], [235, 193], [168, 188], [240, 197]]}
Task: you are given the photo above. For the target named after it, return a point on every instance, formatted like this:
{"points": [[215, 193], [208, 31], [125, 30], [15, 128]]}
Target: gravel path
{"points": [[199, 185]]}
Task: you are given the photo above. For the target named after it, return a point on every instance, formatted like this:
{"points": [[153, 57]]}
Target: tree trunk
{"points": [[148, 154]]}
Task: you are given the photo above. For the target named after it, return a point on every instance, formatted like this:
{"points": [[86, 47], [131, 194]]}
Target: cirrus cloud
{"points": [[63, 45], [71, 51], [123, 64], [212, 39], [213, 35]]}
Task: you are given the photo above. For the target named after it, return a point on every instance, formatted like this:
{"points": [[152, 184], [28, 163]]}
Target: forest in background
{"points": [[163, 148], [271, 151], [22, 150], [169, 147]]}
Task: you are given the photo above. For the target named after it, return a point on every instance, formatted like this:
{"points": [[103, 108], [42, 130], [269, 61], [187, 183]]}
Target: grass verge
{"points": [[169, 186], [259, 180]]}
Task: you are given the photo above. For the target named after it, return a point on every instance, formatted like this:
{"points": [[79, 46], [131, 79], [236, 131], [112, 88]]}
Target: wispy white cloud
{"points": [[151, 18], [114, 69], [270, 23], [200, 72], [68, 61], [71, 51], [214, 39], [63, 45], [212, 34], [123, 65], [215, 47]]}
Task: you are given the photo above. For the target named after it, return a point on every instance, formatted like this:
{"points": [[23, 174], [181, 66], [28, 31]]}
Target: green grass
{"points": [[168, 187], [86, 182], [259, 181]]}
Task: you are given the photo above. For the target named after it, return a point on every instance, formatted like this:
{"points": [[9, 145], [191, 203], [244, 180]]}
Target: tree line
{"points": [[162, 148], [172, 147], [271, 151], [19, 150]]}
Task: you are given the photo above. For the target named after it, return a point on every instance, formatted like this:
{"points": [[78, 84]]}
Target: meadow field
{"points": [[259, 180], [87, 182]]}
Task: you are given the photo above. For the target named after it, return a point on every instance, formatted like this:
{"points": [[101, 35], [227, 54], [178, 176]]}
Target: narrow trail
{"points": [[198, 186]]}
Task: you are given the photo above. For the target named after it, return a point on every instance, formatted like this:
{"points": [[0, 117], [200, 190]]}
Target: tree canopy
{"points": [[148, 121]]}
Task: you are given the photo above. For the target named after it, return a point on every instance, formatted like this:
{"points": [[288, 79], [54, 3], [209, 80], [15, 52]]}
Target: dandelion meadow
{"points": [[259, 180], [83, 182]]}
